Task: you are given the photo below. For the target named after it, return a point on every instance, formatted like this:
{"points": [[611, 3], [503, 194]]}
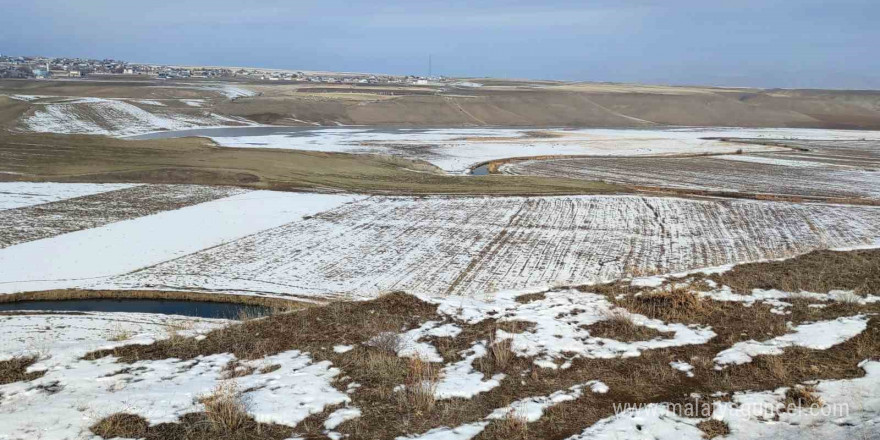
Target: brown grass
{"points": [[421, 382], [802, 396], [512, 426], [121, 425], [66, 158], [388, 413], [15, 370], [818, 271], [618, 325], [226, 409], [713, 428], [674, 304]]}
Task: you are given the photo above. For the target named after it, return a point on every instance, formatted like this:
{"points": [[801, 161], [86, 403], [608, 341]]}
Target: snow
{"points": [[193, 102], [107, 250], [290, 394], [818, 336], [21, 194], [149, 102], [851, 410], [342, 348], [773, 161], [654, 422], [532, 408], [459, 379], [341, 415], [560, 319], [468, 245], [463, 432], [684, 367], [458, 149], [59, 339], [112, 117], [86, 390]]}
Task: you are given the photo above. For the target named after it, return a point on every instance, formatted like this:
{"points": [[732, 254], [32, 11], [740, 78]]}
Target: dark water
{"points": [[482, 170], [166, 307]]}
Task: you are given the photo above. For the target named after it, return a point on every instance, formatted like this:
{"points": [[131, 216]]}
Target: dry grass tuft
{"points": [[513, 426], [225, 408], [802, 396], [15, 370], [118, 333], [713, 428], [618, 325], [388, 342], [501, 352], [675, 304], [121, 425], [421, 382]]}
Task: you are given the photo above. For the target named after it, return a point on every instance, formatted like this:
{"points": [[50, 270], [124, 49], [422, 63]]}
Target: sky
{"points": [[770, 43]]}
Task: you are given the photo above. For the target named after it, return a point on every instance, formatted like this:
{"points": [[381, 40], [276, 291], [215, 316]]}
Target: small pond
{"points": [[201, 309]]}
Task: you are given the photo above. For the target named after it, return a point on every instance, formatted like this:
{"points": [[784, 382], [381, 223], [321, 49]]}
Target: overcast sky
{"points": [[771, 43]]}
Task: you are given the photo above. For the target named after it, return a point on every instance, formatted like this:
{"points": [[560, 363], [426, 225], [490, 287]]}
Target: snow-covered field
{"points": [[458, 149], [327, 245], [69, 260], [113, 117], [47, 217], [442, 245], [830, 169], [21, 194]]}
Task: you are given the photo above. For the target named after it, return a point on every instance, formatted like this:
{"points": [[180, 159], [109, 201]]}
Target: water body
{"points": [[482, 170], [200, 309]]}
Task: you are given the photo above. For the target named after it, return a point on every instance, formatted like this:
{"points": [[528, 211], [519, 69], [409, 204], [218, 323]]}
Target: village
{"points": [[39, 67]]}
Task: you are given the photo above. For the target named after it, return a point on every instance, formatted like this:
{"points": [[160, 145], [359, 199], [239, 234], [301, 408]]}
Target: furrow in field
{"points": [[449, 245]]}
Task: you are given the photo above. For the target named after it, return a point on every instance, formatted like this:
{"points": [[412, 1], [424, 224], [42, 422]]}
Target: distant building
{"points": [[41, 73], [74, 74]]}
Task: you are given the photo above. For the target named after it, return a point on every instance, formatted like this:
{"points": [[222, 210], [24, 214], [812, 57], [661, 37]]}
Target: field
{"points": [[431, 278], [830, 169]]}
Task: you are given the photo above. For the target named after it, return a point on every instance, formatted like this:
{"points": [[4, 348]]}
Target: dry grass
{"points": [[421, 382], [226, 409], [118, 333], [819, 271], [618, 325], [121, 425], [675, 304], [802, 396], [388, 414], [513, 426], [713, 428], [388, 342], [15, 370], [66, 158]]}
